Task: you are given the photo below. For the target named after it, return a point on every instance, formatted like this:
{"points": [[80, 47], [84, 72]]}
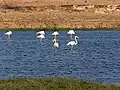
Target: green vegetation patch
{"points": [[53, 84]]}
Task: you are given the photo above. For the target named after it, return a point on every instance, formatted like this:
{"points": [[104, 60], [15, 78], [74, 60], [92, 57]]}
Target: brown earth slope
{"points": [[56, 13]]}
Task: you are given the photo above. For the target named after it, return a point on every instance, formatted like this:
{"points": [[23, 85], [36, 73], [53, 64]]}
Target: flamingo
{"points": [[8, 34], [41, 37], [55, 34], [72, 43], [71, 32], [40, 32], [56, 44]]}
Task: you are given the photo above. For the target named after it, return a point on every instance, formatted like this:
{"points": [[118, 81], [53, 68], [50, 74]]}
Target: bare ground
{"points": [[55, 13]]}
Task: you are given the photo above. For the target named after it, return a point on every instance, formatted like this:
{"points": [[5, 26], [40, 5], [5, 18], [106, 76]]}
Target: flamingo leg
{"points": [[40, 40], [71, 47], [55, 37], [9, 36], [70, 37]]}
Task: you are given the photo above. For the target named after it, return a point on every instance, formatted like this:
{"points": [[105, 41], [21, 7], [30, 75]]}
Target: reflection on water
{"points": [[96, 57]]}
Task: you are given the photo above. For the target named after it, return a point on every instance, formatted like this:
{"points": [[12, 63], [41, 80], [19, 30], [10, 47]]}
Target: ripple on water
{"points": [[95, 57]]}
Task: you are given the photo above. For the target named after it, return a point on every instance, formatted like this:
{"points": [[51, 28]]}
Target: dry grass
{"points": [[54, 84]]}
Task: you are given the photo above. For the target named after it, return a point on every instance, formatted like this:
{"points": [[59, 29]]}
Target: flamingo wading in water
{"points": [[40, 32], [70, 33], [56, 44], [72, 43], [55, 34], [8, 34], [41, 37]]}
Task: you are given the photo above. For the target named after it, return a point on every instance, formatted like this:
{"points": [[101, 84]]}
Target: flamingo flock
{"points": [[41, 35]]}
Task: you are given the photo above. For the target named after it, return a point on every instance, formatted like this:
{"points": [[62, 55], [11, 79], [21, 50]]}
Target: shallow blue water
{"points": [[96, 57]]}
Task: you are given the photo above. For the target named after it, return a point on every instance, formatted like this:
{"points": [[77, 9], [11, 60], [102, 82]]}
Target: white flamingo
{"points": [[72, 43], [40, 32], [56, 44], [71, 32], [41, 37], [55, 34], [8, 34]]}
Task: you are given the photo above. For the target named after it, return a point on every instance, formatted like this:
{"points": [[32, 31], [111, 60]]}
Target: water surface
{"points": [[95, 57]]}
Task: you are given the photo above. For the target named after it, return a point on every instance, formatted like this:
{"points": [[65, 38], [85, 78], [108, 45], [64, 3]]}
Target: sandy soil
{"points": [[55, 13]]}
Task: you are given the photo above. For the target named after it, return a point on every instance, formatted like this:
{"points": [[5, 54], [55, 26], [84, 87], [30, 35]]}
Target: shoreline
{"points": [[58, 29]]}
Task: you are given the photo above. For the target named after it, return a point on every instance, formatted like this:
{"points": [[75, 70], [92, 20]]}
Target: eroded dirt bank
{"points": [[83, 15]]}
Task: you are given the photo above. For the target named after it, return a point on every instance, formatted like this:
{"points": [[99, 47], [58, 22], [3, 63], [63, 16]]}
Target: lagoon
{"points": [[96, 57]]}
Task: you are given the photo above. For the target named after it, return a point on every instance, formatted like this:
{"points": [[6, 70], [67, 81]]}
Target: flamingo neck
{"points": [[54, 40], [76, 42]]}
